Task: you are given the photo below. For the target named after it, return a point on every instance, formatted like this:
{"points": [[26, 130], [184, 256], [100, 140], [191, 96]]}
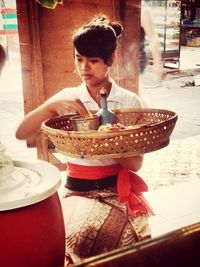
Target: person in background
{"points": [[103, 205], [148, 31]]}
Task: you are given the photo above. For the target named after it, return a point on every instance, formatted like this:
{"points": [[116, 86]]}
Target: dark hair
{"points": [[98, 38]]}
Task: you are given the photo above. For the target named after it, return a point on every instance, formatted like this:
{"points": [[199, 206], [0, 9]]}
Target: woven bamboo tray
{"points": [[152, 132]]}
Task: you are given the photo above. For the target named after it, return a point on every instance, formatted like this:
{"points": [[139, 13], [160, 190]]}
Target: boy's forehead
{"points": [[77, 54]]}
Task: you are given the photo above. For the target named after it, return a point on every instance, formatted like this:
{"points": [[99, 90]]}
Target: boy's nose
{"points": [[85, 65]]}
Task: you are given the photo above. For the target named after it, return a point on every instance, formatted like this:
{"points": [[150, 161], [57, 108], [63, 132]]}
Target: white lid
{"points": [[29, 183]]}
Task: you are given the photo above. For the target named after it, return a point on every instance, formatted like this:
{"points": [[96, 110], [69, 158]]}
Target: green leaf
{"points": [[49, 3]]}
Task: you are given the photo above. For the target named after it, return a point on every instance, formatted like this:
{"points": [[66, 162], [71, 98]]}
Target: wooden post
{"points": [[130, 17], [31, 58]]}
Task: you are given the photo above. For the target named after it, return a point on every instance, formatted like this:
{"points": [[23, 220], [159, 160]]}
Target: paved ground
{"points": [[173, 94]]}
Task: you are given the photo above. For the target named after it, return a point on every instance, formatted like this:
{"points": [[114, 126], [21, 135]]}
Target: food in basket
{"points": [[116, 127], [132, 127], [111, 127]]}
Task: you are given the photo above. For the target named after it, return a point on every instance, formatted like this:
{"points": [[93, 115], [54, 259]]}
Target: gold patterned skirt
{"points": [[96, 222]]}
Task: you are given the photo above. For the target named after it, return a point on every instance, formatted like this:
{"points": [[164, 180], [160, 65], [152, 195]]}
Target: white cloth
{"points": [[119, 98]]}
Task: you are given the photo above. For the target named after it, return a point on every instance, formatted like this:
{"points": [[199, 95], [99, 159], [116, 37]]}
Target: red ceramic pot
{"points": [[32, 234]]}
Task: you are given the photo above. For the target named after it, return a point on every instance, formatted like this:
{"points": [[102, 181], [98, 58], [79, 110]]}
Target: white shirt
{"points": [[119, 98]]}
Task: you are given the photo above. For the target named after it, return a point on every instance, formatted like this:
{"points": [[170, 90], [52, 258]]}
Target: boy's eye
{"points": [[94, 60], [79, 59]]}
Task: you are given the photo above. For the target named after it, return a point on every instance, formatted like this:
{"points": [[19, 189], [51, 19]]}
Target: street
{"points": [[172, 94]]}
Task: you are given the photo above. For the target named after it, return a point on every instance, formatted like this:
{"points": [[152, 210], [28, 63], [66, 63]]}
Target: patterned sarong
{"points": [[97, 221]]}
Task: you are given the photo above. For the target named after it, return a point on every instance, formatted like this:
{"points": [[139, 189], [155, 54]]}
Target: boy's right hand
{"points": [[62, 107]]}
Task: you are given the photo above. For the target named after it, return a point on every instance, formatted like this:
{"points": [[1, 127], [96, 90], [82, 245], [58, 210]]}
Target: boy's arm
{"points": [[30, 125]]}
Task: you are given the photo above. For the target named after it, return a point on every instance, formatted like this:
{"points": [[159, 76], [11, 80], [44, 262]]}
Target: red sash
{"points": [[129, 185]]}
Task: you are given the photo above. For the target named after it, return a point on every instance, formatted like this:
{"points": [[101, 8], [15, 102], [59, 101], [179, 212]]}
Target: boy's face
{"points": [[92, 70]]}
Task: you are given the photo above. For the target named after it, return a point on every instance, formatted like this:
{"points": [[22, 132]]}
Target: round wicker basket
{"points": [[152, 131]]}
